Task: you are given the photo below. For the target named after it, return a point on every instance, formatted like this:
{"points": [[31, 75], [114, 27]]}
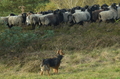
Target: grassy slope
{"points": [[91, 52], [103, 65]]}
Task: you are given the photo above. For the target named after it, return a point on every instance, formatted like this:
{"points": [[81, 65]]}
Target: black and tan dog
{"points": [[52, 62]]}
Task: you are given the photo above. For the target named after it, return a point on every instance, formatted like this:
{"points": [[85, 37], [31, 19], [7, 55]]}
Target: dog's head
{"points": [[60, 52]]}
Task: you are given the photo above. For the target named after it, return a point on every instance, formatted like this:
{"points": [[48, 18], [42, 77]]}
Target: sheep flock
{"points": [[75, 15]]}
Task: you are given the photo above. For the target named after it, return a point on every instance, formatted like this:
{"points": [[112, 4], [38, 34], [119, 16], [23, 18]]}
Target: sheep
{"points": [[81, 16], [36, 19], [111, 14], [118, 9], [4, 20], [95, 14], [42, 18], [52, 19], [66, 17], [16, 20], [33, 19]]}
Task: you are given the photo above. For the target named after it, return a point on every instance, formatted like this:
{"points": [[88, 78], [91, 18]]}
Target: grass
{"points": [[91, 52], [108, 72], [75, 65]]}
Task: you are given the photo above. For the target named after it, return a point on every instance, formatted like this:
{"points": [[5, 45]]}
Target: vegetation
{"points": [[89, 36], [91, 51], [97, 64], [11, 6]]}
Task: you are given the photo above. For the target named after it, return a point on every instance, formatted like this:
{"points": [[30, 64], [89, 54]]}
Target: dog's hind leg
{"points": [[48, 73], [54, 70], [41, 73]]}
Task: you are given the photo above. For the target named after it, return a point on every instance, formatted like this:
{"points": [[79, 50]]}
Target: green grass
{"points": [[99, 72], [76, 65]]}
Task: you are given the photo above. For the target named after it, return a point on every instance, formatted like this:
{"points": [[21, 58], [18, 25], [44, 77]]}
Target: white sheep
{"points": [[118, 9], [108, 15], [81, 16], [33, 19], [16, 20], [4, 20]]}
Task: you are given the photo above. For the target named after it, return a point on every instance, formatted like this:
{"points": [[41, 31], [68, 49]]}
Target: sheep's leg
{"points": [[81, 23], [10, 26], [33, 26]]}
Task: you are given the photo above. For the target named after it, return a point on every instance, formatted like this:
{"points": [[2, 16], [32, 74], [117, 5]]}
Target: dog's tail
{"points": [[44, 65]]}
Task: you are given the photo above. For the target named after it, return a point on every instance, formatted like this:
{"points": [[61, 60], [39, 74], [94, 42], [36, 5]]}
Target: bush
{"points": [[18, 40], [14, 39]]}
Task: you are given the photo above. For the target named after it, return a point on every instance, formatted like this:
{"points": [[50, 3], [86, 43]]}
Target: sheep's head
{"points": [[114, 6]]}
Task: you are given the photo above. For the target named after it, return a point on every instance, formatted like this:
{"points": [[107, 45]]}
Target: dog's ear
{"points": [[58, 52], [61, 52]]}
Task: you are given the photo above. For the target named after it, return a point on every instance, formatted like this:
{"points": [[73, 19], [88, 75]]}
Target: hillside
{"points": [[11, 6], [91, 51]]}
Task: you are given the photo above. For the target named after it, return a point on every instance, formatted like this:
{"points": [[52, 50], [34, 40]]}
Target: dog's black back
{"points": [[52, 62]]}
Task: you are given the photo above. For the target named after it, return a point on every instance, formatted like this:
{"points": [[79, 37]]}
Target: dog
{"points": [[52, 62]]}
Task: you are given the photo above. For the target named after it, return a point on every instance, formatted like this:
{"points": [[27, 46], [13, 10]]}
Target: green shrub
{"points": [[48, 33], [15, 39]]}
